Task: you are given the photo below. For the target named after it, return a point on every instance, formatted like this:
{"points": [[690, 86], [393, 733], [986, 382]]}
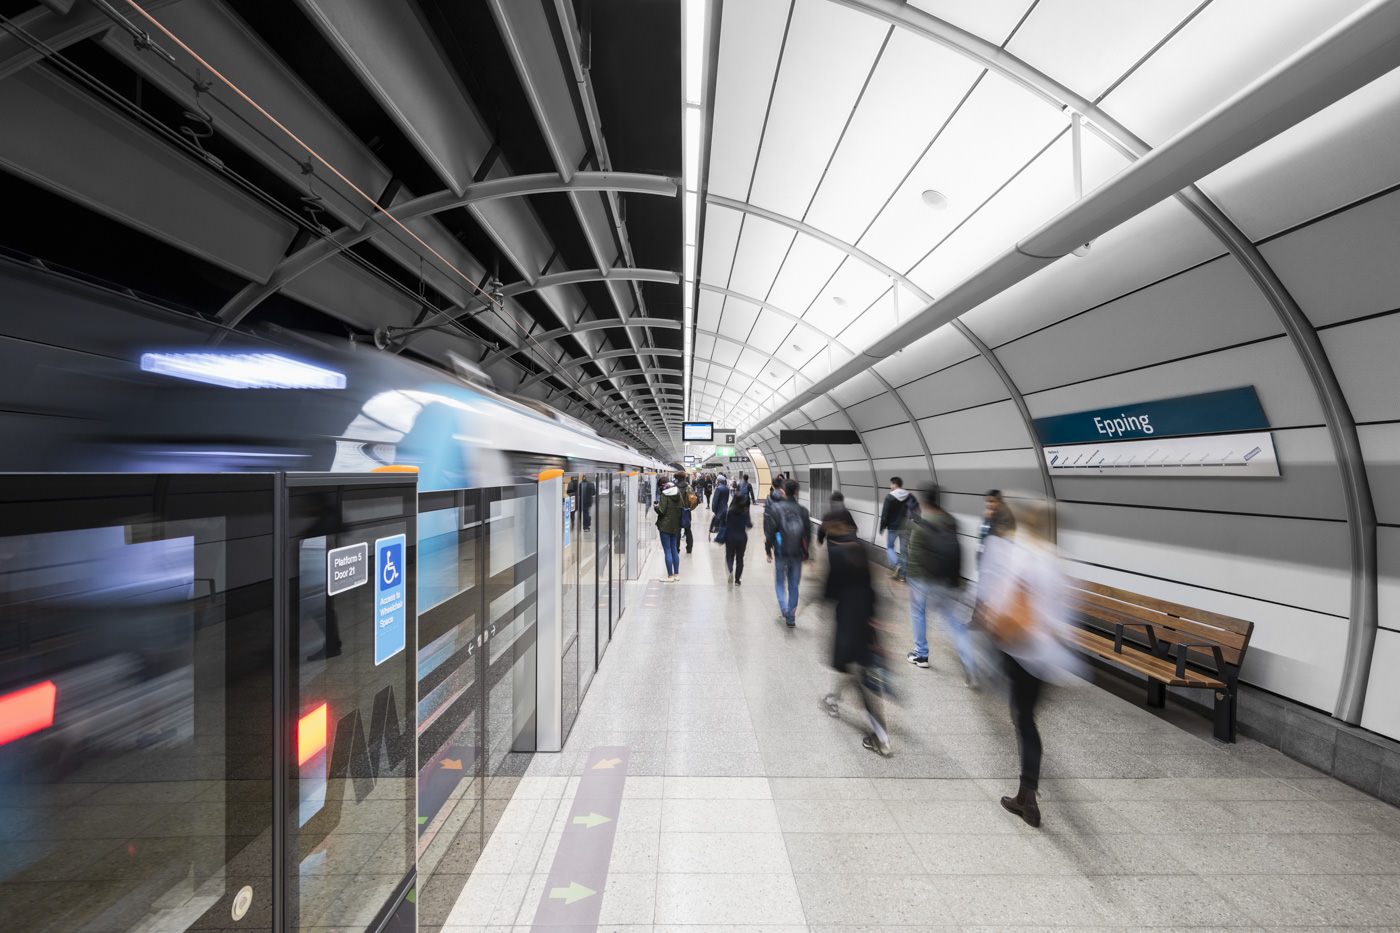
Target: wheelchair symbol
{"points": [[391, 573]]}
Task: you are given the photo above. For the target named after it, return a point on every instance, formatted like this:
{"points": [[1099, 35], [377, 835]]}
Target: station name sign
{"points": [[1228, 410]]}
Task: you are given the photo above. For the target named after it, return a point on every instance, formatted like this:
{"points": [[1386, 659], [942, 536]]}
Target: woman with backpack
{"points": [[736, 537]]}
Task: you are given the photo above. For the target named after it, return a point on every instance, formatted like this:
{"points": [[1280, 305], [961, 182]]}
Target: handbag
{"points": [[1014, 623]]}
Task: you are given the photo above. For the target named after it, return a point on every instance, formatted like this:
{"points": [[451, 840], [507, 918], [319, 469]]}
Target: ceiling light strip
{"points": [[694, 15]]}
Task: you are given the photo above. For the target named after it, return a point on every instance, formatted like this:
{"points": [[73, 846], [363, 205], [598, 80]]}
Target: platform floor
{"points": [[746, 808]]}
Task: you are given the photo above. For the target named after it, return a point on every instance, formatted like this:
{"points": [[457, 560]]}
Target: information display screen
{"points": [[698, 431]]}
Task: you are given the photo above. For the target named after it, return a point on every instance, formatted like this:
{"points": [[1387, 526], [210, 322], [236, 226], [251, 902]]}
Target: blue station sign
{"points": [[1228, 410], [390, 598]]}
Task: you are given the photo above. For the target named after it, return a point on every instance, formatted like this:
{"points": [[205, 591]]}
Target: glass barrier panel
{"points": [[136, 702]]}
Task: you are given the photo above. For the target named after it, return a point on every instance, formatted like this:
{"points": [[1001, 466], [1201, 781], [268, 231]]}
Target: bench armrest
{"points": [[1181, 648], [1118, 634]]}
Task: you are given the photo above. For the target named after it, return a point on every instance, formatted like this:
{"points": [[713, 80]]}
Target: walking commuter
{"points": [[1024, 588], [743, 488], [735, 529], [935, 576], [719, 504], [837, 514], [668, 525], [778, 490], [855, 650], [572, 493], [787, 534], [899, 504]]}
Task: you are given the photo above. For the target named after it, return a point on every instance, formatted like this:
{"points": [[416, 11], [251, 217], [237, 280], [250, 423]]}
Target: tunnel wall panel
{"points": [[962, 385]]}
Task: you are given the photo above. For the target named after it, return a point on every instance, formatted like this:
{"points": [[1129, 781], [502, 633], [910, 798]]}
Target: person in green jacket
{"points": [[668, 523]]}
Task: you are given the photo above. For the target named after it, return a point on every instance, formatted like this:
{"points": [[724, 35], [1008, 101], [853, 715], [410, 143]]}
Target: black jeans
{"points": [[734, 556], [1025, 693], [689, 539]]}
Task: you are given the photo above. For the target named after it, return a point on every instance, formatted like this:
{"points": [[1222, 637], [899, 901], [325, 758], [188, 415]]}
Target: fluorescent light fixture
{"points": [[694, 50], [243, 370], [689, 265], [692, 205], [693, 125]]}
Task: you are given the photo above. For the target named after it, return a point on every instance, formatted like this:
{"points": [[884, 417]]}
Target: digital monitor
{"points": [[698, 431], [689, 460]]}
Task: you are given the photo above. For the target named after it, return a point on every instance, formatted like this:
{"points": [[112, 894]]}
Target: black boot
{"points": [[1024, 805]]}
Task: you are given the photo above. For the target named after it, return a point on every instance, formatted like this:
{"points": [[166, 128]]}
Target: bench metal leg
{"points": [[1225, 703], [1156, 693]]}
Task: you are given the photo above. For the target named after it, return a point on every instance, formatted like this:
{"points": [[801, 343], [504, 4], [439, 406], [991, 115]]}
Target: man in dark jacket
{"points": [[787, 535], [837, 515], [935, 574], [719, 504], [586, 491], [898, 506]]}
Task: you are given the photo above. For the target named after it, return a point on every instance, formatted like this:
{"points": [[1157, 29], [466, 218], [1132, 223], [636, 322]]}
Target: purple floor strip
{"points": [[573, 894]]}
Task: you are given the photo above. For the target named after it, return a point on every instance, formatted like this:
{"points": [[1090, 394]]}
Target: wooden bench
{"points": [[1172, 645]]}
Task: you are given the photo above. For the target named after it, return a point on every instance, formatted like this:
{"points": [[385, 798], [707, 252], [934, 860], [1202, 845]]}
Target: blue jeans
{"points": [[671, 548], [896, 561], [945, 602], [787, 570]]}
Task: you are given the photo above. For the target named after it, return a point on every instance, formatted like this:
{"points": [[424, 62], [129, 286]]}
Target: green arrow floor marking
{"points": [[592, 820], [574, 892]]}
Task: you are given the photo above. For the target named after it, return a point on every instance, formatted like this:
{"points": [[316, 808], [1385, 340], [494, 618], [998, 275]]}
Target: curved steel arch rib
{"points": [[312, 255]]}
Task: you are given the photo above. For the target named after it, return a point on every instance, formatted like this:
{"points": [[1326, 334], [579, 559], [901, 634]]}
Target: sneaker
{"points": [[737, 582], [894, 574], [829, 703], [791, 621], [917, 660], [880, 748], [729, 576]]}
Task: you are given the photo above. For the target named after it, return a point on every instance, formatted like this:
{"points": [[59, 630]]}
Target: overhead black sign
{"points": [[818, 437]]}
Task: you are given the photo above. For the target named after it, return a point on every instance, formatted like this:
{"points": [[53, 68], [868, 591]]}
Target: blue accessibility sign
{"points": [[390, 598]]}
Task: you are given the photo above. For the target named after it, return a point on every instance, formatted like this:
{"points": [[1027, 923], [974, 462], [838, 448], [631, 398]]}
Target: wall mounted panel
{"points": [[898, 441], [1382, 712], [937, 350], [1215, 305], [997, 426], [963, 385], [976, 473], [1364, 355], [878, 412]]}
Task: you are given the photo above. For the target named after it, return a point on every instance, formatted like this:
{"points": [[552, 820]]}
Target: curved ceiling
{"points": [[867, 156]]}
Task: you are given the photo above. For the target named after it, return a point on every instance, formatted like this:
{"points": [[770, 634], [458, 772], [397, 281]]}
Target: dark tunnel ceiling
{"points": [[632, 49]]}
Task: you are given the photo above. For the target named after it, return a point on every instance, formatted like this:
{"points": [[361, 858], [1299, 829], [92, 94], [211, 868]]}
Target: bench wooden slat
{"points": [[1216, 619], [1166, 630], [1222, 637], [1146, 664]]}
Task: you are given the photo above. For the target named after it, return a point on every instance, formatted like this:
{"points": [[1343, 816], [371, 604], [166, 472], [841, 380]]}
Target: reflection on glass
{"points": [[135, 761]]}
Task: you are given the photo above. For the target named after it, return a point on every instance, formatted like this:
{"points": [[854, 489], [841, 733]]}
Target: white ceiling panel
{"points": [[1043, 190], [829, 53], [1086, 45], [819, 408], [1345, 153], [929, 353], [857, 389], [751, 38], [708, 311], [770, 332], [721, 238], [992, 20], [876, 321], [1159, 242], [704, 346], [762, 246], [738, 318], [725, 353], [913, 90], [856, 285], [1229, 45], [807, 268], [1000, 128]]}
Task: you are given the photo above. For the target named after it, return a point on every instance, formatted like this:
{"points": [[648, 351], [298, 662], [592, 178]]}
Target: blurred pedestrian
{"points": [[856, 654], [996, 520], [735, 530], [668, 525], [787, 532], [719, 504], [898, 506], [935, 577], [836, 514], [1026, 615]]}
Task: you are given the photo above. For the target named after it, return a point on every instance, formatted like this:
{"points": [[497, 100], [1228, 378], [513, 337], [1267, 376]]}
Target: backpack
{"points": [[791, 533], [941, 554], [691, 499]]}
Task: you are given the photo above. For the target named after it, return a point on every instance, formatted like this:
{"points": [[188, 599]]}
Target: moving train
{"points": [[95, 381]]}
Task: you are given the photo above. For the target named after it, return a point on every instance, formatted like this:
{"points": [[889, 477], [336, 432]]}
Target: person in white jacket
{"points": [[1023, 588]]}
